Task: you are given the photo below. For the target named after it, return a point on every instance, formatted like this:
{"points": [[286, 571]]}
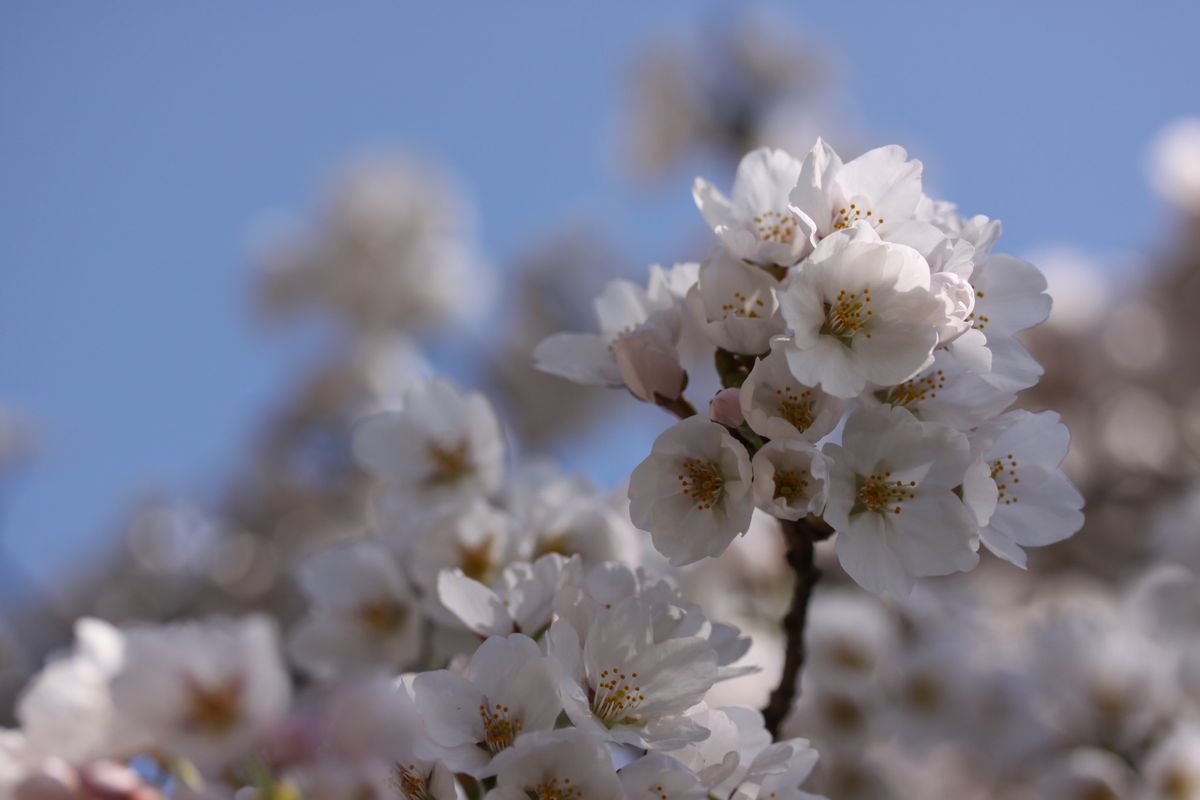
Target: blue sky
{"points": [[142, 143]]}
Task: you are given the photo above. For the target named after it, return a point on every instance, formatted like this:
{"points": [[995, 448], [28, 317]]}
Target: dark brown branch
{"points": [[680, 407], [801, 537]]}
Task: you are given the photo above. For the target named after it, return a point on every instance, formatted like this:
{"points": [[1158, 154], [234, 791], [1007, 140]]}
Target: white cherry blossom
{"points": [[441, 447], [505, 692], [948, 391], [622, 685], [778, 406], [1035, 504], [67, 709], [892, 500], [735, 305], [522, 601], [623, 308], [880, 188], [566, 763], [755, 223], [204, 691], [362, 614], [692, 493], [860, 312], [656, 776], [790, 478]]}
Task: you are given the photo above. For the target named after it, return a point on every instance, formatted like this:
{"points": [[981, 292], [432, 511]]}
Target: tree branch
{"points": [[801, 536]]}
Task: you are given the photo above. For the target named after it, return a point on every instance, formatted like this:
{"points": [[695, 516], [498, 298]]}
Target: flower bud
{"points": [[726, 408], [649, 365]]}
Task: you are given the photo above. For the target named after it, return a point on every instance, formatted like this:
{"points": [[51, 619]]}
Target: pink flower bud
{"points": [[649, 365], [726, 408]]}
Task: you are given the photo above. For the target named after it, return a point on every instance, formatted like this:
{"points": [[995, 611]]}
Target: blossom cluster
{"points": [[865, 338], [500, 629], [564, 673]]}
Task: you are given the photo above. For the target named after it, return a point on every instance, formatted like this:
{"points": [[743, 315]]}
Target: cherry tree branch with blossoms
{"points": [[497, 632], [839, 298]]}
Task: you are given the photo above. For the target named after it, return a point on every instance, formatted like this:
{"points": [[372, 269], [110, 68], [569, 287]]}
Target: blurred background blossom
{"points": [[230, 233]]}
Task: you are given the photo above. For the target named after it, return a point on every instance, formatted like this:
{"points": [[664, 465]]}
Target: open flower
{"points": [[623, 308], [778, 406], [947, 391], [881, 188], [789, 478], [1035, 503], [67, 708], [443, 446], [522, 602], [1010, 296], [892, 500], [504, 693], [565, 763], [735, 305], [205, 692], [755, 224], [692, 493], [860, 312], [362, 612], [622, 685], [655, 776]]}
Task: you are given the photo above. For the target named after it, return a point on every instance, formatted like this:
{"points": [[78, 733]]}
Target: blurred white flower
{"points": [[1175, 164], [203, 691], [442, 447], [362, 613]]}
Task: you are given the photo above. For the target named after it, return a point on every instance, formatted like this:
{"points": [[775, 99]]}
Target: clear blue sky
{"points": [[141, 141]]}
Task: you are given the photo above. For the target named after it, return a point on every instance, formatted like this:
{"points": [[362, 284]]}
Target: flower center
{"points": [[1004, 473], [475, 560], [410, 783], [775, 226], [1179, 784], [382, 616], [450, 464], [617, 697], [848, 314], [796, 409], [559, 543], [978, 321], [790, 485], [880, 494], [915, 391], [554, 789], [499, 729], [702, 482], [846, 217], [743, 306], [214, 709]]}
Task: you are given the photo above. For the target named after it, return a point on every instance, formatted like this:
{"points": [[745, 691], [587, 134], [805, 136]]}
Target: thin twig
{"points": [[801, 537]]}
